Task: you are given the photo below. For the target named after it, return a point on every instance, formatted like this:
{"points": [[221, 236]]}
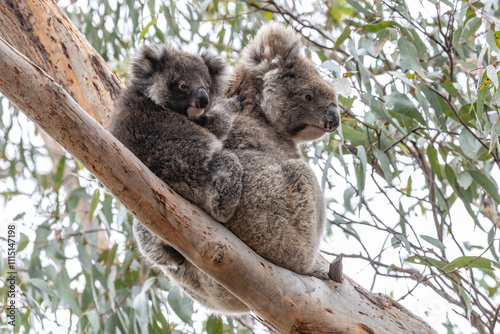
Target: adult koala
{"points": [[281, 214]]}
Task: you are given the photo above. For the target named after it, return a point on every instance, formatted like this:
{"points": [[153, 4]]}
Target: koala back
{"points": [[284, 101]]}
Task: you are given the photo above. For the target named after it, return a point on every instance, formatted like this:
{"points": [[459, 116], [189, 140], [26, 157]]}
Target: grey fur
{"points": [[151, 120], [281, 213]]}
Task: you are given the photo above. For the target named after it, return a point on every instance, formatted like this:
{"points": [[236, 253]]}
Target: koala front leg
{"points": [[224, 190], [219, 119], [155, 250]]}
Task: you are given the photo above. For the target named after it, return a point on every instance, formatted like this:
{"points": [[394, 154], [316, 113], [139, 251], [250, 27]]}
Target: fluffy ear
{"points": [[216, 67], [148, 60], [271, 47]]}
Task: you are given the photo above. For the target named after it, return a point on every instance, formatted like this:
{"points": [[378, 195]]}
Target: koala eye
{"points": [[308, 97], [183, 86]]}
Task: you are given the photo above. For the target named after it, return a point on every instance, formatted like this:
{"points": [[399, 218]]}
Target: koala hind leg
{"points": [[155, 250], [192, 280], [205, 289], [224, 190]]}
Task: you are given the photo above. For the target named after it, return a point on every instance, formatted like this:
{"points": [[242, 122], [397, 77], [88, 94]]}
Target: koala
{"points": [[284, 101], [166, 119]]}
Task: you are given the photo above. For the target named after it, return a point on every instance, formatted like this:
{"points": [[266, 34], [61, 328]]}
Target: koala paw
{"points": [[224, 191], [231, 104], [155, 250]]}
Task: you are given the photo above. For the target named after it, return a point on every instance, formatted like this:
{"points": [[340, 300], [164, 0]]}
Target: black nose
{"points": [[202, 98], [332, 118]]}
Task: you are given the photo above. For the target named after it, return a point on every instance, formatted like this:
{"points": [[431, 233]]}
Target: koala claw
{"points": [[322, 275]]}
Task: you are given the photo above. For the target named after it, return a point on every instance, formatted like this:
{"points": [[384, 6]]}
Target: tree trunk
{"points": [[286, 301]]}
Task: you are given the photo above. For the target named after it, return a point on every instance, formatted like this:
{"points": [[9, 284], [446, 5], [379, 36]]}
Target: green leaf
{"points": [[410, 55], [400, 103], [433, 241], [382, 37], [450, 88], [361, 169], [471, 27], [492, 74], [60, 172], [181, 304], [379, 26], [464, 179], [426, 261], [324, 176], [356, 5], [435, 104], [471, 262], [19, 216], [214, 325], [385, 164], [42, 285], [408, 186], [450, 176], [466, 298], [345, 35], [146, 28], [93, 320], [496, 34], [398, 238], [23, 242], [152, 5], [469, 145], [107, 209], [487, 184], [74, 197], [62, 285], [421, 48], [94, 200], [140, 305], [348, 193]]}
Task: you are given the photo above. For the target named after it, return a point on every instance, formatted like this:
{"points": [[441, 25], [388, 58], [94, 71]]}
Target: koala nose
{"points": [[202, 98], [332, 118]]}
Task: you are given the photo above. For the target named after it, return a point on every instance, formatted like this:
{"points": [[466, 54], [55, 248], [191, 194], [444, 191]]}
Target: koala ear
{"points": [[216, 67], [148, 60], [273, 45]]}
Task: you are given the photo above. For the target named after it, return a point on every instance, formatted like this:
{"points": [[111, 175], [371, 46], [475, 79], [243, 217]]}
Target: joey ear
{"points": [[216, 67], [273, 45], [148, 60]]}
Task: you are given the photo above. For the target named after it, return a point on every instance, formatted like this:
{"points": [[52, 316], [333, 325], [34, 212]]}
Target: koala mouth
{"points": [[309, 132], [194, 113]]}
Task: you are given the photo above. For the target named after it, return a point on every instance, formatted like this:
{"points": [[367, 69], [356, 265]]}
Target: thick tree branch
{"points": [[44, 34]]}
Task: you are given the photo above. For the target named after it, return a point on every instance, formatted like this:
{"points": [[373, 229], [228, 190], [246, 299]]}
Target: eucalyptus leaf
{"points": [[487, 184], [214, 325], [433, 241], [181, 304]]}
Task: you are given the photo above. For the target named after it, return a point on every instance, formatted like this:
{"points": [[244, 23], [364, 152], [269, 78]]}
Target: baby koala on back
{"points": [[166, 118]]}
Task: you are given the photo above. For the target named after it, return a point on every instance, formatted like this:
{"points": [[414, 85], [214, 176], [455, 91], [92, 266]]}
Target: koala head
{"points": [[176, 80], [295, 97]]}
